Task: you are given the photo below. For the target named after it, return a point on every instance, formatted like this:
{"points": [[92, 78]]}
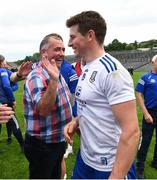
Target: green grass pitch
{"points": [[13, 164]]}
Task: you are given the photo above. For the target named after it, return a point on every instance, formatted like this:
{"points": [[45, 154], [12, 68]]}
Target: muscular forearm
{"points": [[129, 138], [44, 107], [126, 153]]}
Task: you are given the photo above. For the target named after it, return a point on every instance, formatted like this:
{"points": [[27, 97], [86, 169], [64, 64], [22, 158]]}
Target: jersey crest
{"points": [[104, 161]]}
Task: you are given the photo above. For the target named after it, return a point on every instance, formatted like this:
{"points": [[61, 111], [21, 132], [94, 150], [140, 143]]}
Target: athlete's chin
{"points": [[76, 53]]}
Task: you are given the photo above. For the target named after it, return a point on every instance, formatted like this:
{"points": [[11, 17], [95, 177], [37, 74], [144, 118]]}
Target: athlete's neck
{"points": [[94, 54]]}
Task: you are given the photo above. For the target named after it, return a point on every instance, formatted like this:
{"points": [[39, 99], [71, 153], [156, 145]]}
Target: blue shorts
{"points": [[83, 171]]}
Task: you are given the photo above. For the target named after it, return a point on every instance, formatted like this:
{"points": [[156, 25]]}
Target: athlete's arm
{"points": [[70, 130], [146, 114], [126, 116]]}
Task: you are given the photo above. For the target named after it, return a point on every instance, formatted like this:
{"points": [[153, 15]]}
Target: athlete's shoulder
{"points": [[108, 63]]}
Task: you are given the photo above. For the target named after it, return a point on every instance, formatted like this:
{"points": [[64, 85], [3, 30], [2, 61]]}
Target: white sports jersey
{"points": [[103, 83]]}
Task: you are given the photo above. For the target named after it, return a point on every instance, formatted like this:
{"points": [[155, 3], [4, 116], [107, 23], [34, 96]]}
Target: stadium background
{"points": [[13, 164]]}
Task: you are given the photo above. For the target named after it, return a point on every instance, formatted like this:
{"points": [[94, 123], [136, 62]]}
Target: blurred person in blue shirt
{"points": [[146, 91], [68, 72], [7, 97]]}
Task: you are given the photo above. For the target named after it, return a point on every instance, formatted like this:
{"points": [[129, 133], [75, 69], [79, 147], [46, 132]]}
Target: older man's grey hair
{"points": [[2, 58], [44, 42]]}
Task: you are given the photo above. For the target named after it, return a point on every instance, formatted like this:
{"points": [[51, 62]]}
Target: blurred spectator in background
{"points": [[68, 72], [7, 97], [146, 91]]}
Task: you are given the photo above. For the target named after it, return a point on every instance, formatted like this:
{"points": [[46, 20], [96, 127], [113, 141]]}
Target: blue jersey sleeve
{"points": [[9, 72], [14, 86], [70, 75], [6, 86], [73, 80], [140, 87]]}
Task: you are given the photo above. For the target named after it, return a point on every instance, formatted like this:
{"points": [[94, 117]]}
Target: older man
{"points": [[47, 111]]}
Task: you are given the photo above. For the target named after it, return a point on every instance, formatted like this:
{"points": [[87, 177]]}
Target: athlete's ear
{"points": [[91, 35]]}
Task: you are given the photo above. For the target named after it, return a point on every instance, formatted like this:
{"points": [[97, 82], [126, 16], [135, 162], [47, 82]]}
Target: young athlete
{"points": [[107, 117]]}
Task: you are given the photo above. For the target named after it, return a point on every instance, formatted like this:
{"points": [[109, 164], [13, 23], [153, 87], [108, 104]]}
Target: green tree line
{"points": [[115, 45]]}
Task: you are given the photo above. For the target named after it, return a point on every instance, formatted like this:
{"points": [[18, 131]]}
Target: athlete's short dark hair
{"points": [[89, 20]]}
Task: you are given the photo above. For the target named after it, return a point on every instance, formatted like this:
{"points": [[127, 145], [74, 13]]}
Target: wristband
{"points": [[18, 75]]}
